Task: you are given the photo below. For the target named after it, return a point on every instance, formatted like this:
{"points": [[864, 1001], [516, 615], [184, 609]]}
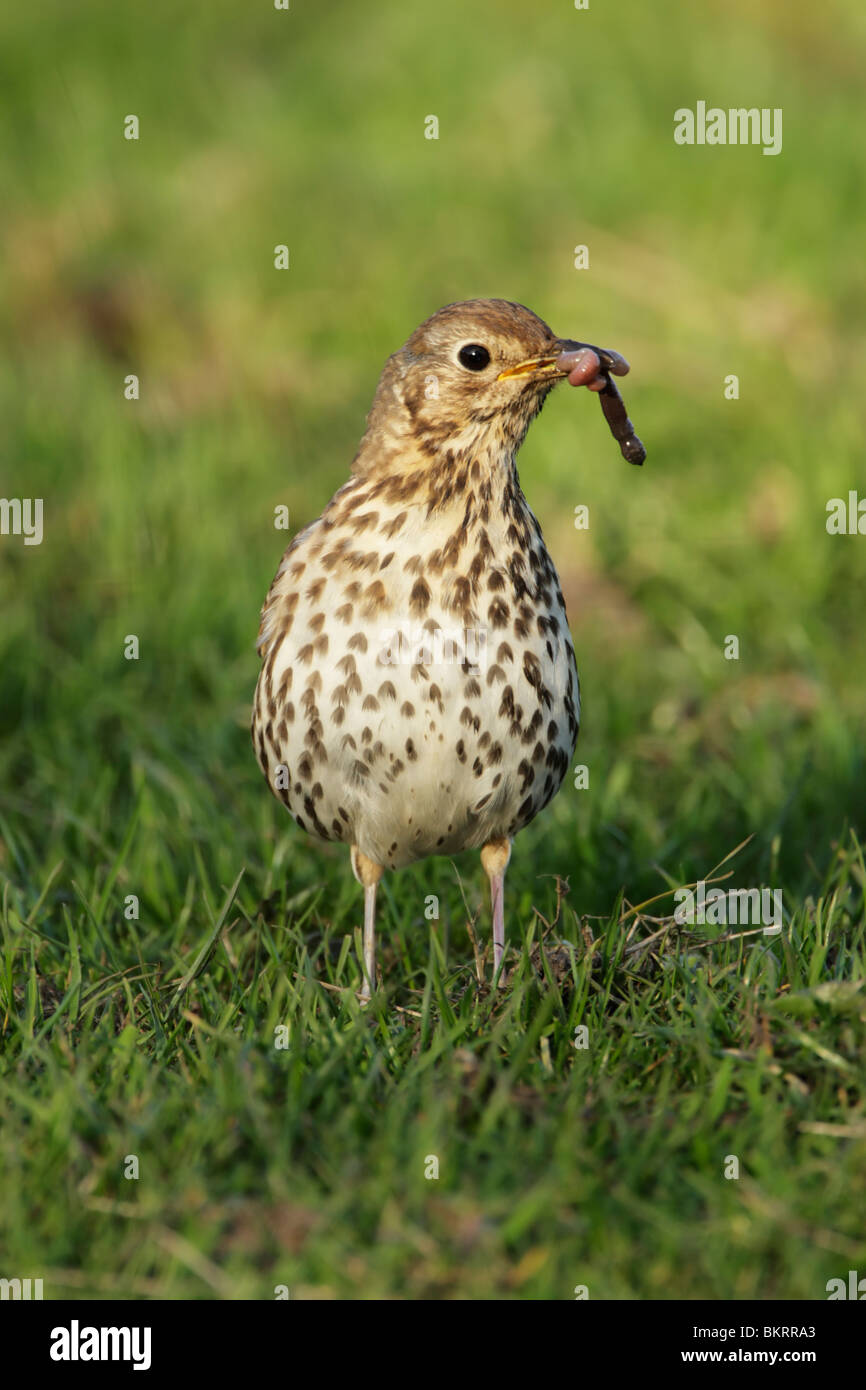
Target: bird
{"points": [[418, 692]]}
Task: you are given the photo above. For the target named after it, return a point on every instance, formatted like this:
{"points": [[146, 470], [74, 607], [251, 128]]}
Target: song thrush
{"points": [[419, 693]]}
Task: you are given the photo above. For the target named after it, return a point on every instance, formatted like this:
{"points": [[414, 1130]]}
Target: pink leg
{"points": [[497, 902], [494, 860], [369, 942], [368, 873]]}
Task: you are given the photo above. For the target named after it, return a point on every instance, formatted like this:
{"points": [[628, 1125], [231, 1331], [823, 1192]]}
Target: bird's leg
{"points": [[368, 873], [369, 940], [494, 861]]}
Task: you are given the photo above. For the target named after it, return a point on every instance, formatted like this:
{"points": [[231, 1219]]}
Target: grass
{"points": [[154, 1036]]}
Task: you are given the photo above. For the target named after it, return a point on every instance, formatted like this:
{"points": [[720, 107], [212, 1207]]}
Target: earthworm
{"points": [[621, 426], [612, 403]]}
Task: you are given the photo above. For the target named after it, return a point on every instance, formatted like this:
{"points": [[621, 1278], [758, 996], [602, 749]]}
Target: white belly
{"points": [[398, 745]]}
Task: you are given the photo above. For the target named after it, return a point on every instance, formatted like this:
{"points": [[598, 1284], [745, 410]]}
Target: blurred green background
{"points": [[156, 257]]}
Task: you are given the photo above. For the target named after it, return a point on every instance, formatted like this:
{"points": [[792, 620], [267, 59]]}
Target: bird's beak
{"points": [[582, 363], [534, 366]]}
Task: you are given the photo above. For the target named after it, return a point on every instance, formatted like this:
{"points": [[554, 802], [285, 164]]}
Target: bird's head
{"points": [[471, 379]]}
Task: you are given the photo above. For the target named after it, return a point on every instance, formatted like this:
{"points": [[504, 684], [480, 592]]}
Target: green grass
{"points": [[305, 1165]]}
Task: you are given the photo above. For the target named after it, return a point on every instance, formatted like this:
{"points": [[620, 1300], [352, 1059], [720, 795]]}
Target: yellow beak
{"points": [[546, 365]]}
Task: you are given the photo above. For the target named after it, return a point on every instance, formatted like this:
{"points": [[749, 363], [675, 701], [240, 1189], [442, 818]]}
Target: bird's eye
{"points": [[474, 357]]}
